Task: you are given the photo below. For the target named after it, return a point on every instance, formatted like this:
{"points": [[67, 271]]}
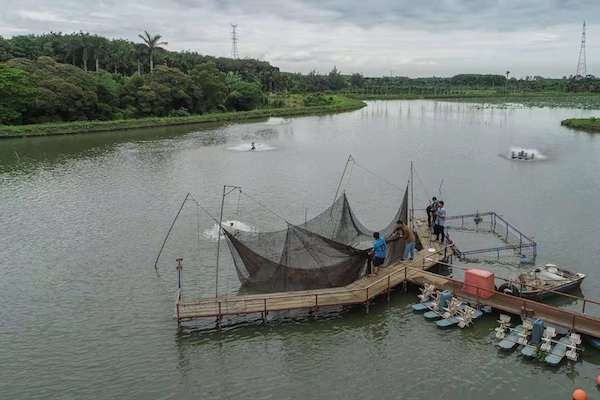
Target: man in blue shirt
{"points": [[379, 252]]}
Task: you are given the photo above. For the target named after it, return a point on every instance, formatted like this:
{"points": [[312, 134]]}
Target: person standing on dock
{"points": [[440, 222], [410, 242], [378, 253], [431, 208]]}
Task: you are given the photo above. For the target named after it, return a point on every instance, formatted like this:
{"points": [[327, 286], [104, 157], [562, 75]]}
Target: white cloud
{"points": [[44, 16]]}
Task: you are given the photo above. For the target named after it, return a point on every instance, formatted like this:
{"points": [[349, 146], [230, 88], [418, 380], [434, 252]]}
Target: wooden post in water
{"points": [[178, 268]]}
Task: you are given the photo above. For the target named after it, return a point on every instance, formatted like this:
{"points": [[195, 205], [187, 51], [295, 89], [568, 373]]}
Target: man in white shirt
{"points": [[440, 221]]}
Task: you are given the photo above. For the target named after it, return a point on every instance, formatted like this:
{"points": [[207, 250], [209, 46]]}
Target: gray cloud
{"points": [[436, 37]]}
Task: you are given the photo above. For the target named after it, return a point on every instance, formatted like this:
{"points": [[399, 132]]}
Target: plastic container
{"points": [[479, 282]]}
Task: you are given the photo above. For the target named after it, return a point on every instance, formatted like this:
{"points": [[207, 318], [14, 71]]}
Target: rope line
{"points": [[423, 186], [244, 193], [378, 176], [187, 198]]}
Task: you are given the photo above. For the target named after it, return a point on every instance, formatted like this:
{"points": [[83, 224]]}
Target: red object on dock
{"points": [[479, 282]]}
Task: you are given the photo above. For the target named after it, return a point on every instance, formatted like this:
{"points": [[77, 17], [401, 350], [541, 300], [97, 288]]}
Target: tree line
{"points": [[80, 76]]}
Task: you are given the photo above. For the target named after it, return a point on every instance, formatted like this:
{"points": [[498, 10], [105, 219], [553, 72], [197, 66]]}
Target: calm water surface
{"points": [[85, 315]]}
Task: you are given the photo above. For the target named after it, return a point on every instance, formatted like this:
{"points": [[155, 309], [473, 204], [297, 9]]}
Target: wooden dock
{"points": [[366, 289], [359, 292]]}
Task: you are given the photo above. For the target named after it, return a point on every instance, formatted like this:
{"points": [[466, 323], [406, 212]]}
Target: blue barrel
{"points": [[445, 297], [537, 332]]}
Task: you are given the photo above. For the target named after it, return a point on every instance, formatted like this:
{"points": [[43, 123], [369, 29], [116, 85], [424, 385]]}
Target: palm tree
{"points": [[152, 42]]}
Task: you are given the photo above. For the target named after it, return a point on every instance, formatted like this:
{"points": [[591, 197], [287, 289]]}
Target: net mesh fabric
{"points": [[307, 261], [330, 250]]}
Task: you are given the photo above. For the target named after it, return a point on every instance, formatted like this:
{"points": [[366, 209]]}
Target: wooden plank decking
{"points": [[566, 318], [364, 290], [358, 292]]}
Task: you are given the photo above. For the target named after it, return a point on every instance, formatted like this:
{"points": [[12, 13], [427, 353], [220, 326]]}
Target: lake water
{"points": [[85, 315]]}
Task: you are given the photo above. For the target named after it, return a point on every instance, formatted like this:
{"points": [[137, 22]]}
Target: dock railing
{"points": [[490, 221], [528, 307], [327, 297]]}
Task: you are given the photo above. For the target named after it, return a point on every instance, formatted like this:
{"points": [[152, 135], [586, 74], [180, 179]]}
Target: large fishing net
{"points": [[328, 250]]}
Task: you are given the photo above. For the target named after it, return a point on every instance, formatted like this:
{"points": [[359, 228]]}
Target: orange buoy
{"points": [[579, 394], [598, 380]]}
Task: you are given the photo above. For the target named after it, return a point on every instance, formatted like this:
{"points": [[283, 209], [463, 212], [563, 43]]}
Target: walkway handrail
{"points": [[495, 215], [582, 299], [587, 300], [533, 305], [332, 292]]}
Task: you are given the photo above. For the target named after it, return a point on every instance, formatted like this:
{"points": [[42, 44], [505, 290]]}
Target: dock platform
{"points": [[364, 290], [359, 292]]}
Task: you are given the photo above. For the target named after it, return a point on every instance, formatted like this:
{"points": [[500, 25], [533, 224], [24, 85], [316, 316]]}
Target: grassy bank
{"points": [[583, 124], [340, 104]]}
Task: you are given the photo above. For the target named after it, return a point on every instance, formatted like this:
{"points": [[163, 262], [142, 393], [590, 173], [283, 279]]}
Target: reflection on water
{"points": [[84, 216]]}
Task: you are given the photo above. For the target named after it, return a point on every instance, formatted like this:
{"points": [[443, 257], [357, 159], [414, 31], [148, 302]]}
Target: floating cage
{"points": [[515, 248]]}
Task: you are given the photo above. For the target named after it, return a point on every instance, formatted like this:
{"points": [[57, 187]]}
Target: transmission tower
{"points": [[581, 63], [234, 42]]}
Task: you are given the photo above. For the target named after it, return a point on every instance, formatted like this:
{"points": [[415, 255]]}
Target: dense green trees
{"points": [[210, 87], [244, 96], [45, 90], [80, 76], [92, 52], [16, 93]]}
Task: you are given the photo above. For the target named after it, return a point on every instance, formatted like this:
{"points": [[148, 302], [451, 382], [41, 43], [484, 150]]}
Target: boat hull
{"points": [[565, 288]]}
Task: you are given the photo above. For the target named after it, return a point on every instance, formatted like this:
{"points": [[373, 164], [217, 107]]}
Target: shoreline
{"points": [[535, 99], [590, 125], [85, 127]]}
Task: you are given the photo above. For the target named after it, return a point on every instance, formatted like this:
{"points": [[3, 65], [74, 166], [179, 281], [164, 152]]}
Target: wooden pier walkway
{"points": [[366, 289], [358, 292]]}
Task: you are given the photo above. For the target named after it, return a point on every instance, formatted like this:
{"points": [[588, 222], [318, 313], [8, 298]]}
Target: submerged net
{"points": [[329, 250]]}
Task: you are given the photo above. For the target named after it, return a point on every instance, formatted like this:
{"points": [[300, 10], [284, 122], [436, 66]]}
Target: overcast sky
{"points": [[374, 37]]}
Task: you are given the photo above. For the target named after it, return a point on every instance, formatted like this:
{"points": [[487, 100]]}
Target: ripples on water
{"points": [[86, 315]]}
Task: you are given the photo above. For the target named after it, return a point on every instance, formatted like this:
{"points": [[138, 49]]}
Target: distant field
{"points": [[590, 101]]}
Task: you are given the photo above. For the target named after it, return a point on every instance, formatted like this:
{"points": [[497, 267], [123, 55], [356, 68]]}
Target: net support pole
{"points": [[225, 193], [169, 231], [412, 199]]}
